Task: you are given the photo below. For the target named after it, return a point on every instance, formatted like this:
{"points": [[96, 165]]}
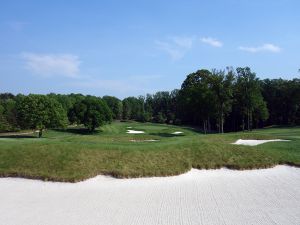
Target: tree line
{"points": [[215, 101]]}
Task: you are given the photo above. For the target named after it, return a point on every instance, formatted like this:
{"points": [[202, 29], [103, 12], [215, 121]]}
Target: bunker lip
{"points": [[106, 200], [255, 142]]}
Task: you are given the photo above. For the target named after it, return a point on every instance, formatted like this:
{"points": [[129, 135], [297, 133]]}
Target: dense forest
{"points": [[215, 101]]}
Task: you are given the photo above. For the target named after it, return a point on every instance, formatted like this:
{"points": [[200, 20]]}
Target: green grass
{"points": [[73, 155]]}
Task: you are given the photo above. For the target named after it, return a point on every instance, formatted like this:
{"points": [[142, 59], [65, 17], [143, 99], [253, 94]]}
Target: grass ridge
{"points": [[65, 156]]}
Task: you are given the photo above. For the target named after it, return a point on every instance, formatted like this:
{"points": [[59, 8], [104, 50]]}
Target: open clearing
{"points": [[199, 197], [74, 154]]}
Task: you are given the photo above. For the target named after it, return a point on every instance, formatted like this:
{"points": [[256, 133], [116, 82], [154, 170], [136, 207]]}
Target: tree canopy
{"points": [[216, 100], [92, 112], [40, 112], [115, 105]]}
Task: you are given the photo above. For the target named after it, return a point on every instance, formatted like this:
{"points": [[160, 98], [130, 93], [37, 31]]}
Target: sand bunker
{"points": [[135, 132], [177, 132], [128, 127], [254, 142], [267, 196], [150, 140]]}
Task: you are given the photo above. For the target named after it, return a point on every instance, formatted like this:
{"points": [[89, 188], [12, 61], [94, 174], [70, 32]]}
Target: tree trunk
{"points": [[248, 119], [222, 125], [243, 123], [222, 121], [251, 120], [40, 133]]}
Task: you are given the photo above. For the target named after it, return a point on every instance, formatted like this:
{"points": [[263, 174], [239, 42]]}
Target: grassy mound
{"points": [[73, 154]]}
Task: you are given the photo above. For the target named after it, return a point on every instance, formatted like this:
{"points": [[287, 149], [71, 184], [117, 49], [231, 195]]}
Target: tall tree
{"points": [[222, 87], [4, 125], [40, 112], [92, 112], [75, 110], [115, 105], [196, 100], [133, 108], [9, 113], [161, 106], [248, 95], [283, 100]]}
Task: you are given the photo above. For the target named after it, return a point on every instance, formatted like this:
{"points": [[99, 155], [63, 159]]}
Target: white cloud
{"points": [[263, 48], [212, 41], [52, 64], [172, 51], [176, 47], [184, 42]]}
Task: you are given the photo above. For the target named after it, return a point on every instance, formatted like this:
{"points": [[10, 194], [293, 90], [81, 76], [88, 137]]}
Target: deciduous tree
{"points": [[40, 112]]}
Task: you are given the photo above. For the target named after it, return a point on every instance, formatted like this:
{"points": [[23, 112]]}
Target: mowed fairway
{"points": [[74, 155]]}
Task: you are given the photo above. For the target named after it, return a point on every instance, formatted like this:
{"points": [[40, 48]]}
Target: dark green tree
{"points": [[8, 120], [222, 87], [40, 112], [115, 105], [76, 113], [248, 95], [283, 100], [92, 112], [196, 100], [133, 108], [4, 125]]}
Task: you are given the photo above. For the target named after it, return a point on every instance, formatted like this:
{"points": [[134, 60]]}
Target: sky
{"points": [[130, 48]]}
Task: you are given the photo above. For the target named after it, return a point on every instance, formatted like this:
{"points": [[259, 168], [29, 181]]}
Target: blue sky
{"points": [[128, 48]]}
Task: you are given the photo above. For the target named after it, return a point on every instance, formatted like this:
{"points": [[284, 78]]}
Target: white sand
{"points": [[177, 132], [149, 140], [199, 197], [128, 127], [254, 142], [135, 132]]}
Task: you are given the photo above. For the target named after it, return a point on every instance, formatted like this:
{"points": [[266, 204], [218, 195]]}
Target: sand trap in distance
{"points": [[255, 142], [150, 140], [135, 132], [266, 196], [177, 132]]}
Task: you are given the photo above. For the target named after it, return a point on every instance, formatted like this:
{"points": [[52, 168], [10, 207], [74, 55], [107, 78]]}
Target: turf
{"points": [[73, 154]]}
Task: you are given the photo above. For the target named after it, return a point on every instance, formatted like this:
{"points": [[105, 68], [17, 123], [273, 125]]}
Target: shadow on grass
{"points": [[166, 135], [82, 131], [18, 136], [198, 129]]}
